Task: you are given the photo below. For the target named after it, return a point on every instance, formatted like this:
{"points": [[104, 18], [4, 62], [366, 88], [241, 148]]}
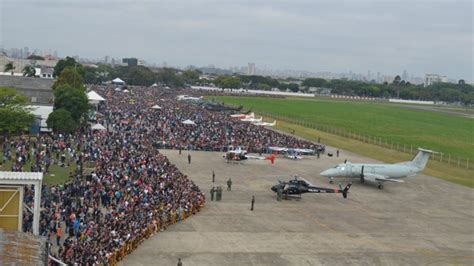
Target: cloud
{"points": [[385, 36]]}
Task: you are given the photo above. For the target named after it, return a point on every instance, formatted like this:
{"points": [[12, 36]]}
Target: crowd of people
{"points": [[133, 190], [211, 131]]}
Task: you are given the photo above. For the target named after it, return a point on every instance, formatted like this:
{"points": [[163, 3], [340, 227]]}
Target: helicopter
{"points": [[297, 186]]}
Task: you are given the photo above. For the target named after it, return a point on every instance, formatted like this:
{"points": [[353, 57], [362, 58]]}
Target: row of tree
{"points": [[28, 70], [71, 105], [446, 92], [140, 75]]}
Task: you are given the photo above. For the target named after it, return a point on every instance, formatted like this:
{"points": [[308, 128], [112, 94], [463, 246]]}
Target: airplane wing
{"points": [[381, 178]]}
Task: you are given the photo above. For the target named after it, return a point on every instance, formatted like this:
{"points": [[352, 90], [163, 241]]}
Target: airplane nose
{"points": [[327, 173]]}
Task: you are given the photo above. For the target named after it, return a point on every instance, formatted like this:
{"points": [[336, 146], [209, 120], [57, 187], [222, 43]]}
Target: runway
{"points": [[424, 221]]}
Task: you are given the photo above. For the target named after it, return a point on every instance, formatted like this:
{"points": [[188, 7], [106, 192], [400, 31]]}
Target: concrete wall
{"points": [[35, 89]]}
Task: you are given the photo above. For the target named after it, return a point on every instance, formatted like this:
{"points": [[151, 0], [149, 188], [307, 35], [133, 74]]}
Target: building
{"points": [[37, 90], [130, 62], [20, 63], [44, 72], [251, 69], [431, 79]]}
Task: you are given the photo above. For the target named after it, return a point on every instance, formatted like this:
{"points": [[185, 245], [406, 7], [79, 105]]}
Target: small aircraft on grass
{"points": [[297, 186], [380, 173], [243, 116]]}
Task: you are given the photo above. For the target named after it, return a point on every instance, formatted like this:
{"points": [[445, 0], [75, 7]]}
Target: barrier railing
{"points": [[450, 159]]}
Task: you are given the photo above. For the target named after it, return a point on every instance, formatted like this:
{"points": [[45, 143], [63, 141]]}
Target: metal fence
{"points": [[389, 144]]}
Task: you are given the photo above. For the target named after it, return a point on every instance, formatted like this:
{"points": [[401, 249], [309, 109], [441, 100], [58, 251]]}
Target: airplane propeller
{"points": [[362, 179]]}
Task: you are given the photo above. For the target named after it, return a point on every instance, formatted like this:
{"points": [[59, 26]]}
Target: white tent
{"points": [[41, 113], [94, 97], [98, 127], [188, 122], [118, 81], [125, 90], [156, 106], [154, 85], [118, 89]]}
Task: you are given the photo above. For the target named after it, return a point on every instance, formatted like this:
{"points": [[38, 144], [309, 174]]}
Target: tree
{"points": [[396, 80], [72, 100], [263, 87], [314, 82], [293, 87], [35, 57], [191, 77], [68, 62], [9, 67], [29, 71], [461, 82], [14, 113], [61, 121], [69, 77], [228, 82]]}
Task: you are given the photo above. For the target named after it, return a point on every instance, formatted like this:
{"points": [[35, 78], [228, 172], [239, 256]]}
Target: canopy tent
{"points": [[125, 90], [188, 122], [118, 89], [94, 97], [156, 106], [98, 127], [154, 85], [118, 81]]}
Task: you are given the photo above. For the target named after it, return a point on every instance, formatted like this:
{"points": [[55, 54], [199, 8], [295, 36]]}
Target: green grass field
{"points": [[449, 134], [440, 132]]}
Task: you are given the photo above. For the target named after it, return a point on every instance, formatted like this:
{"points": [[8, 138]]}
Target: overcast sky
{"points": [[338, 36]]}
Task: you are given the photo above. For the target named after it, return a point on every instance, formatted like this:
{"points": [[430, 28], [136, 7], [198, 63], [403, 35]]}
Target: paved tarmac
{"points": [[424, 221]]}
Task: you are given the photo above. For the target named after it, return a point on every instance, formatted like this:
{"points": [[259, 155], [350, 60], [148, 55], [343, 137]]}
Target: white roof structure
{"points": [[118, 81], [154, 85], [118, 89], [26, 178], [156, 106], [98, 127], [94, 97], [29, 176], [188, 122], [42, 111], [125, 90]]}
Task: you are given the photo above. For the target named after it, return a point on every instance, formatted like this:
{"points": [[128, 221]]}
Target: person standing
{"points": [[189, 158], [229, 184], [337, 153], [253, 202], [179, 262], [58, 235], [213, 176]]}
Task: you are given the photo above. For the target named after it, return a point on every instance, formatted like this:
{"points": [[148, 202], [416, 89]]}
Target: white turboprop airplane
{"points": [[242, 116], [380, 173], [265, 123], [250, 119], [188, 98]]}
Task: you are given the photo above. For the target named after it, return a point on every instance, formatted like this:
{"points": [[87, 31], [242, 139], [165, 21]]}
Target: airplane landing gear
{"points": [[331, 180], [380, 186]]}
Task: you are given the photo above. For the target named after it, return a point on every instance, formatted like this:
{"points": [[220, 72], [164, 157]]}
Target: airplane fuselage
{"points": [[390, 170]]}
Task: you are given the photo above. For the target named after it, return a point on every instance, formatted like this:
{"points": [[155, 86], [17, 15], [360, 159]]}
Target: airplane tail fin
{"points": [[271, 158], [346, 190], [421, 158]]}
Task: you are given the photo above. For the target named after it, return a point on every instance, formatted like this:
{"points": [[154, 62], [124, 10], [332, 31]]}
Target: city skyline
{"points": [[298, 35]]}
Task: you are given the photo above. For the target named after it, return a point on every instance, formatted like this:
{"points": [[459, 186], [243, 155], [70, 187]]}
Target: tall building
{"points": [[130, 62], [405, 75], [251, 69], [434, 78]]}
